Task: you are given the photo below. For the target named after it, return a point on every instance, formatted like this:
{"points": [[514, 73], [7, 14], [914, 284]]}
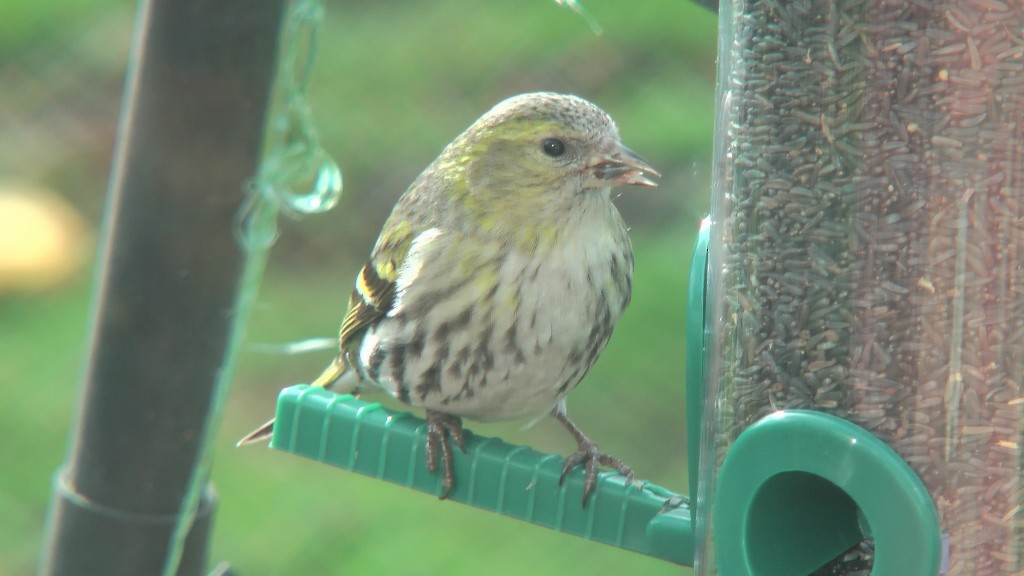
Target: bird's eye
{"points": [[553, 147]]}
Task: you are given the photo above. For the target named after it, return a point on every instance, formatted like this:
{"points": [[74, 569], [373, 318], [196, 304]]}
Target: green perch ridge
{"points": [[515, 481]]}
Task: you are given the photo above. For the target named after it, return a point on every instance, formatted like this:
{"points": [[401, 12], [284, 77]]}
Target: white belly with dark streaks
{"points": [[487, 337]]}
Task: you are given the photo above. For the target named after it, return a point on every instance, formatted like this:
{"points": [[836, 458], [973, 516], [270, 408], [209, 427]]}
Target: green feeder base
{"points": [[511, 480], [799, 488]]}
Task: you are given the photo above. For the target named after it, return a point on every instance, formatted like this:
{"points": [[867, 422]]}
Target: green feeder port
{"points": [[795, 490], [799, 488]]}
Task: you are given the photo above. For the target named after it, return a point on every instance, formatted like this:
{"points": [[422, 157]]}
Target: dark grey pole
{"points": [[190, 140]]}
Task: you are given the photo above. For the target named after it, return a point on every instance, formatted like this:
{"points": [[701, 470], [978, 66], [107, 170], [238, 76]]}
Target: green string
{"points": [[577, 7], [296, 176]]}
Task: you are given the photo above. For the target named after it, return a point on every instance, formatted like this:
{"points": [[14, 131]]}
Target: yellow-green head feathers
{"points": [[520, 170]]}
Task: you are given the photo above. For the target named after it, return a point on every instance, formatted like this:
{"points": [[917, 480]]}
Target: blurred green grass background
{"points": [[393, 83]]}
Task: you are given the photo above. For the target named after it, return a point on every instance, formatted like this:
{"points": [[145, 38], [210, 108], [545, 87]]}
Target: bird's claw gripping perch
{"points": [[672, 503], [592, 459], [589, 456], [442, 429]]}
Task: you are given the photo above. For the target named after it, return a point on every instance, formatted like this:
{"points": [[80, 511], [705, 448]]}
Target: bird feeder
{"points": [[856, 332], [866, 289]]}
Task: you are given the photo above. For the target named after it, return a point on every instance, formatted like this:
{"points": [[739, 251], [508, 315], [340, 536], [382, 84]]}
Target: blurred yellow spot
{"points": [[43, 240]]}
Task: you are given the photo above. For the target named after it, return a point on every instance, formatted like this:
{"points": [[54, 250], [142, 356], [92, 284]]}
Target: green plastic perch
{"points": [[516, 481]]}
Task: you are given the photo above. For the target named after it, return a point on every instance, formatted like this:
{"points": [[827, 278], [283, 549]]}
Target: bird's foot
{"points": [[589, 456], [592, 459], [673, 503], [442, 429]]}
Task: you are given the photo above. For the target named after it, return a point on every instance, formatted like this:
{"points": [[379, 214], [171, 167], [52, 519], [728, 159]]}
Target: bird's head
{"points": [[547, 145]]}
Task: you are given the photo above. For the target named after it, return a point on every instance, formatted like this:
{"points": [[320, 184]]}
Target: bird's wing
{"points": [[372, 298], [381, 283], [374, 292], [394, 264]]}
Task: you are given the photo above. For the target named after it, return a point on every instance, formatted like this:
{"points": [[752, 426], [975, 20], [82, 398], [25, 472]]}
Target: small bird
{"points": [[498, 278]]}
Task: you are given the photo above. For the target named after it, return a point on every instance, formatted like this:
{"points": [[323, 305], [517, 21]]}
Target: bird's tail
{"points": [[262, 433], [329, 376]]}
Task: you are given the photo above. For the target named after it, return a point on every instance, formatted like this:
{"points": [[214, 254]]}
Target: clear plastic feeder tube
{"points": [[867, 251]]}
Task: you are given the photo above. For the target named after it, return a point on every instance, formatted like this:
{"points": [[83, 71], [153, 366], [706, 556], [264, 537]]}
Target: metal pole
{"points": [[190, 140]]}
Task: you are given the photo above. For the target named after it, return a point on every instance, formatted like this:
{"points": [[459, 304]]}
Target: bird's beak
{"points": [[620, 166]]}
